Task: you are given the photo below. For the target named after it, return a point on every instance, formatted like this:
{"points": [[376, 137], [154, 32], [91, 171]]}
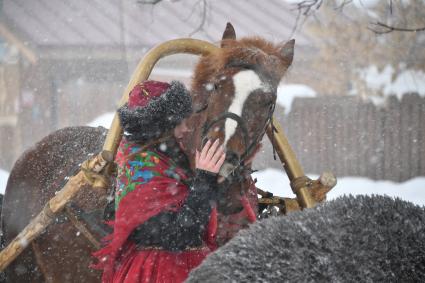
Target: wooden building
{"points": [[72, 59]]}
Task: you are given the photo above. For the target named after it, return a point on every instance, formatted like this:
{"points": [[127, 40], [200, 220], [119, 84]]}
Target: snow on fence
{"points": [[352, 137]]}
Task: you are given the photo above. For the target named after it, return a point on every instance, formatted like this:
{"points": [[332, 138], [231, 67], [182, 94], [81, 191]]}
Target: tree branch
{"points": [[344, 3], [203, 18], [381, 28], [148, 2], [307, 7]]}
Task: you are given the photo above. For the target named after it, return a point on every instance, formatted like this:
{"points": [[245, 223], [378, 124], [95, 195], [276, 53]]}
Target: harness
{"points": [[239, 170]]}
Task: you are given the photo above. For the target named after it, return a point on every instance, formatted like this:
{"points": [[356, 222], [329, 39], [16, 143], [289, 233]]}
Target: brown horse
{"points": [[236, 87], [242, 79]]}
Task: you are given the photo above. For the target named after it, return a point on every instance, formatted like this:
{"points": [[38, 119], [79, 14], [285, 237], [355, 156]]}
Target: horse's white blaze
{"points": [[244, 83]]}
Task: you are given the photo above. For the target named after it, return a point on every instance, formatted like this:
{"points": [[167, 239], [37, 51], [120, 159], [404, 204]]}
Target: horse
{"points": [[235, 88], [244, 75], [350, 239]]}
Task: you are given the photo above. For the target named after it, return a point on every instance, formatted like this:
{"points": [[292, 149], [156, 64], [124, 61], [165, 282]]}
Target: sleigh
{"points": [[96, 174]]}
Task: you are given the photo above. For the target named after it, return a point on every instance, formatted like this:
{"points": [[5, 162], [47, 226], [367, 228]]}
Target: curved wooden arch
{"points": [[144, 69]]}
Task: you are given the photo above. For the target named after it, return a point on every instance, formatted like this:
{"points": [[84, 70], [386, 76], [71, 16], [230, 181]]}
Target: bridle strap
{"points": [[241, 123], [248, 148], [224, 116], [269, 120]]}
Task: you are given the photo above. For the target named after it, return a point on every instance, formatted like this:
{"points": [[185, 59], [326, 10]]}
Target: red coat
{"points": [[148, 183]]}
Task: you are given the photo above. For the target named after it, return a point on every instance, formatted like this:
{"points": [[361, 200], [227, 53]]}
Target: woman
{"points": [[165, 220]]}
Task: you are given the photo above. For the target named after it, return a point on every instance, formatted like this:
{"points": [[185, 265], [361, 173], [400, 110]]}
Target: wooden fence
{"points": [[351, 137], [344, 135]]}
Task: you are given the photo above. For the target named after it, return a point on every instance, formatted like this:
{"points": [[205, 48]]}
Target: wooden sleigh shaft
{"points": [[51, 209]]}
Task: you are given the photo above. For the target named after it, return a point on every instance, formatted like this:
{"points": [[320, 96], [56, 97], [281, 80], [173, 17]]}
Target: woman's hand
{"points": [[211, 157]]}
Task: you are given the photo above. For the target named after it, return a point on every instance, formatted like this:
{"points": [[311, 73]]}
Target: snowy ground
{"points": [[276, 181]]}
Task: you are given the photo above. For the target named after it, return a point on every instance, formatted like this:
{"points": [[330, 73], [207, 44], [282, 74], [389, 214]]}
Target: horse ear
{"points": [[287, 51], [229, 33]]}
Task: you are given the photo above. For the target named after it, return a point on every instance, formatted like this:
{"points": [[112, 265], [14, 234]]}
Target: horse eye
{"points": [[202, 108], [211, 86]]}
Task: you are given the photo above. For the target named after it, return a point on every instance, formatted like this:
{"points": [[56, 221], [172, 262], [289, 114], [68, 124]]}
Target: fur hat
{"points": [[153, 109]]}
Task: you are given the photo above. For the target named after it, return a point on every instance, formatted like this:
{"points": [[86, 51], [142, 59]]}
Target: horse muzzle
{"points": [[226, 170], [230, 165]]}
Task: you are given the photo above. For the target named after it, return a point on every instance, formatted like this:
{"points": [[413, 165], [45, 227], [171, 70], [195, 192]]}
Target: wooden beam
{"points": [[14, 40], [51, 209]]}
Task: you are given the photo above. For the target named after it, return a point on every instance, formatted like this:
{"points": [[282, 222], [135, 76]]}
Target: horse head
{"points": [[235, 88]]}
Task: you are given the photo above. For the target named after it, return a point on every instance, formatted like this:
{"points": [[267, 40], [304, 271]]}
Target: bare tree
{"points": [[347, 48], [307, 8], [149, 2], [381, 28]]}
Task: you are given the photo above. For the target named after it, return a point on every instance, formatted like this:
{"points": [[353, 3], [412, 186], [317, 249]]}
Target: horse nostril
{"points": [[231, 163], [226, 169], [232, 158]]}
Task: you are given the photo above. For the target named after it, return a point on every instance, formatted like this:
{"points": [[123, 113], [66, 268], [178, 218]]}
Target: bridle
{"points": [[239, 172]]}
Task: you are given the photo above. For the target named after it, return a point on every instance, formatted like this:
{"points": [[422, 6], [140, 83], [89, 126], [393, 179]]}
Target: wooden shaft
{"points": [[11, 38], [41, 221], [46, 216], [290, 163], [81, 227], [143, 70]]}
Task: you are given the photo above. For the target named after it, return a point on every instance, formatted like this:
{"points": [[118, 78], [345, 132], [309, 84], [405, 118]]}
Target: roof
{"points": [[115, 24]]}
